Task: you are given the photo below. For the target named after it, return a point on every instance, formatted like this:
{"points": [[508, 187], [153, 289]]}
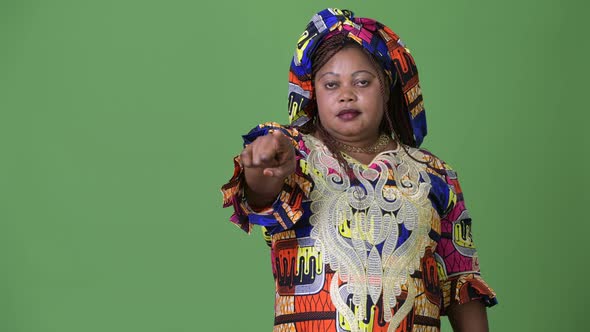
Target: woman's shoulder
{"points": [[433, 163]]}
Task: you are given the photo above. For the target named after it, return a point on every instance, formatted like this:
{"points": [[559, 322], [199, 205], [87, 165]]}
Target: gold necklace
{"points": [[377, 147]]}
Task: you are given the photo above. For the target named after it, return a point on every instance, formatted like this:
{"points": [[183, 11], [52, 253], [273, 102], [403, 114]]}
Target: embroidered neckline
{"points": [[350, 219], [320, 144]]}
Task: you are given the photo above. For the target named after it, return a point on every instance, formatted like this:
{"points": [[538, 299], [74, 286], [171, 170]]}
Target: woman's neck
{"points": [[363, 151], [366, 158]]}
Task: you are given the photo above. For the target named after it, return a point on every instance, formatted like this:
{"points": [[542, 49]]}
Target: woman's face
{"points": [[349, 99]]}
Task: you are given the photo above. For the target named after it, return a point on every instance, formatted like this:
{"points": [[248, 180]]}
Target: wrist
{"points": [[260, 200]]}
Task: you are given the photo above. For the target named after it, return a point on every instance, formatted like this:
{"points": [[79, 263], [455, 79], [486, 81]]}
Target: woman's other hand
{"points": [[468, 317]]}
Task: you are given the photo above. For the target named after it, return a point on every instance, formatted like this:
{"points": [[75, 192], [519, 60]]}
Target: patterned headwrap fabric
{"points": [[378, 40]]}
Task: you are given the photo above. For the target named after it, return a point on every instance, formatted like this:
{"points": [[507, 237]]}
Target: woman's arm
{"points": [[468, 317]]}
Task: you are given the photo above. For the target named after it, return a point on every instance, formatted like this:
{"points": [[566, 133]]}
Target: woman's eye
{"points": [[362, 82], [330, 85]]}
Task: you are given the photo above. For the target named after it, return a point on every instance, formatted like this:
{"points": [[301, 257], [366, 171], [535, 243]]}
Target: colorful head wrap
{"points": [[378, 40]]}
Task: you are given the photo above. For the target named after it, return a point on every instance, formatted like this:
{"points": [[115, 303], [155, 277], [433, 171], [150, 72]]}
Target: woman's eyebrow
{"points": [[363, 71], [329, 73], [353, 74]]}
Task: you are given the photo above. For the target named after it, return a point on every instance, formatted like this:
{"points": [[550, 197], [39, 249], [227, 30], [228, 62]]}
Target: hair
{"points": [[395, 123]]}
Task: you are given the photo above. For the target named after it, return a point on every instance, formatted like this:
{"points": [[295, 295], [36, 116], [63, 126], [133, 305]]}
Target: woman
{"points": [[367, 231]]}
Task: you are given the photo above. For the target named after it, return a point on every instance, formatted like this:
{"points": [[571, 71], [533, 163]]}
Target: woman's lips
{"points": [[348, 115]]}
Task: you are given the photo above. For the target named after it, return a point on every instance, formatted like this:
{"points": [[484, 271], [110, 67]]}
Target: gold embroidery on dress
{"points": [[349, 222]]}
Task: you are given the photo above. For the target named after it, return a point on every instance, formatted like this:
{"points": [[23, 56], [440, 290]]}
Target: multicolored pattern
{"points": [[379, 40], [447, 273]]}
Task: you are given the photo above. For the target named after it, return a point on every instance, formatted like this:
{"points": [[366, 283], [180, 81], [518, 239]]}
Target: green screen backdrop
{"points": [[119, 121]]}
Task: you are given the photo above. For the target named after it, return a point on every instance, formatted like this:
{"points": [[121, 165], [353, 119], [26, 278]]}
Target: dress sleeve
{"points": [[456, 256], [287, 209]]}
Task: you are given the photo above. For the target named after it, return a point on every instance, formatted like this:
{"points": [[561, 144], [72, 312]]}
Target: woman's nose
{"points": [[347, 95]]}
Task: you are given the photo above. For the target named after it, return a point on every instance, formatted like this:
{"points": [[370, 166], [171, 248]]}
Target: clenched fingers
{"points": [[273, 153]]}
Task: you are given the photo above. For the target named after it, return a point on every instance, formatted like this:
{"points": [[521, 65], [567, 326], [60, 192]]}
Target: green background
{"points": [[119, 120]]}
